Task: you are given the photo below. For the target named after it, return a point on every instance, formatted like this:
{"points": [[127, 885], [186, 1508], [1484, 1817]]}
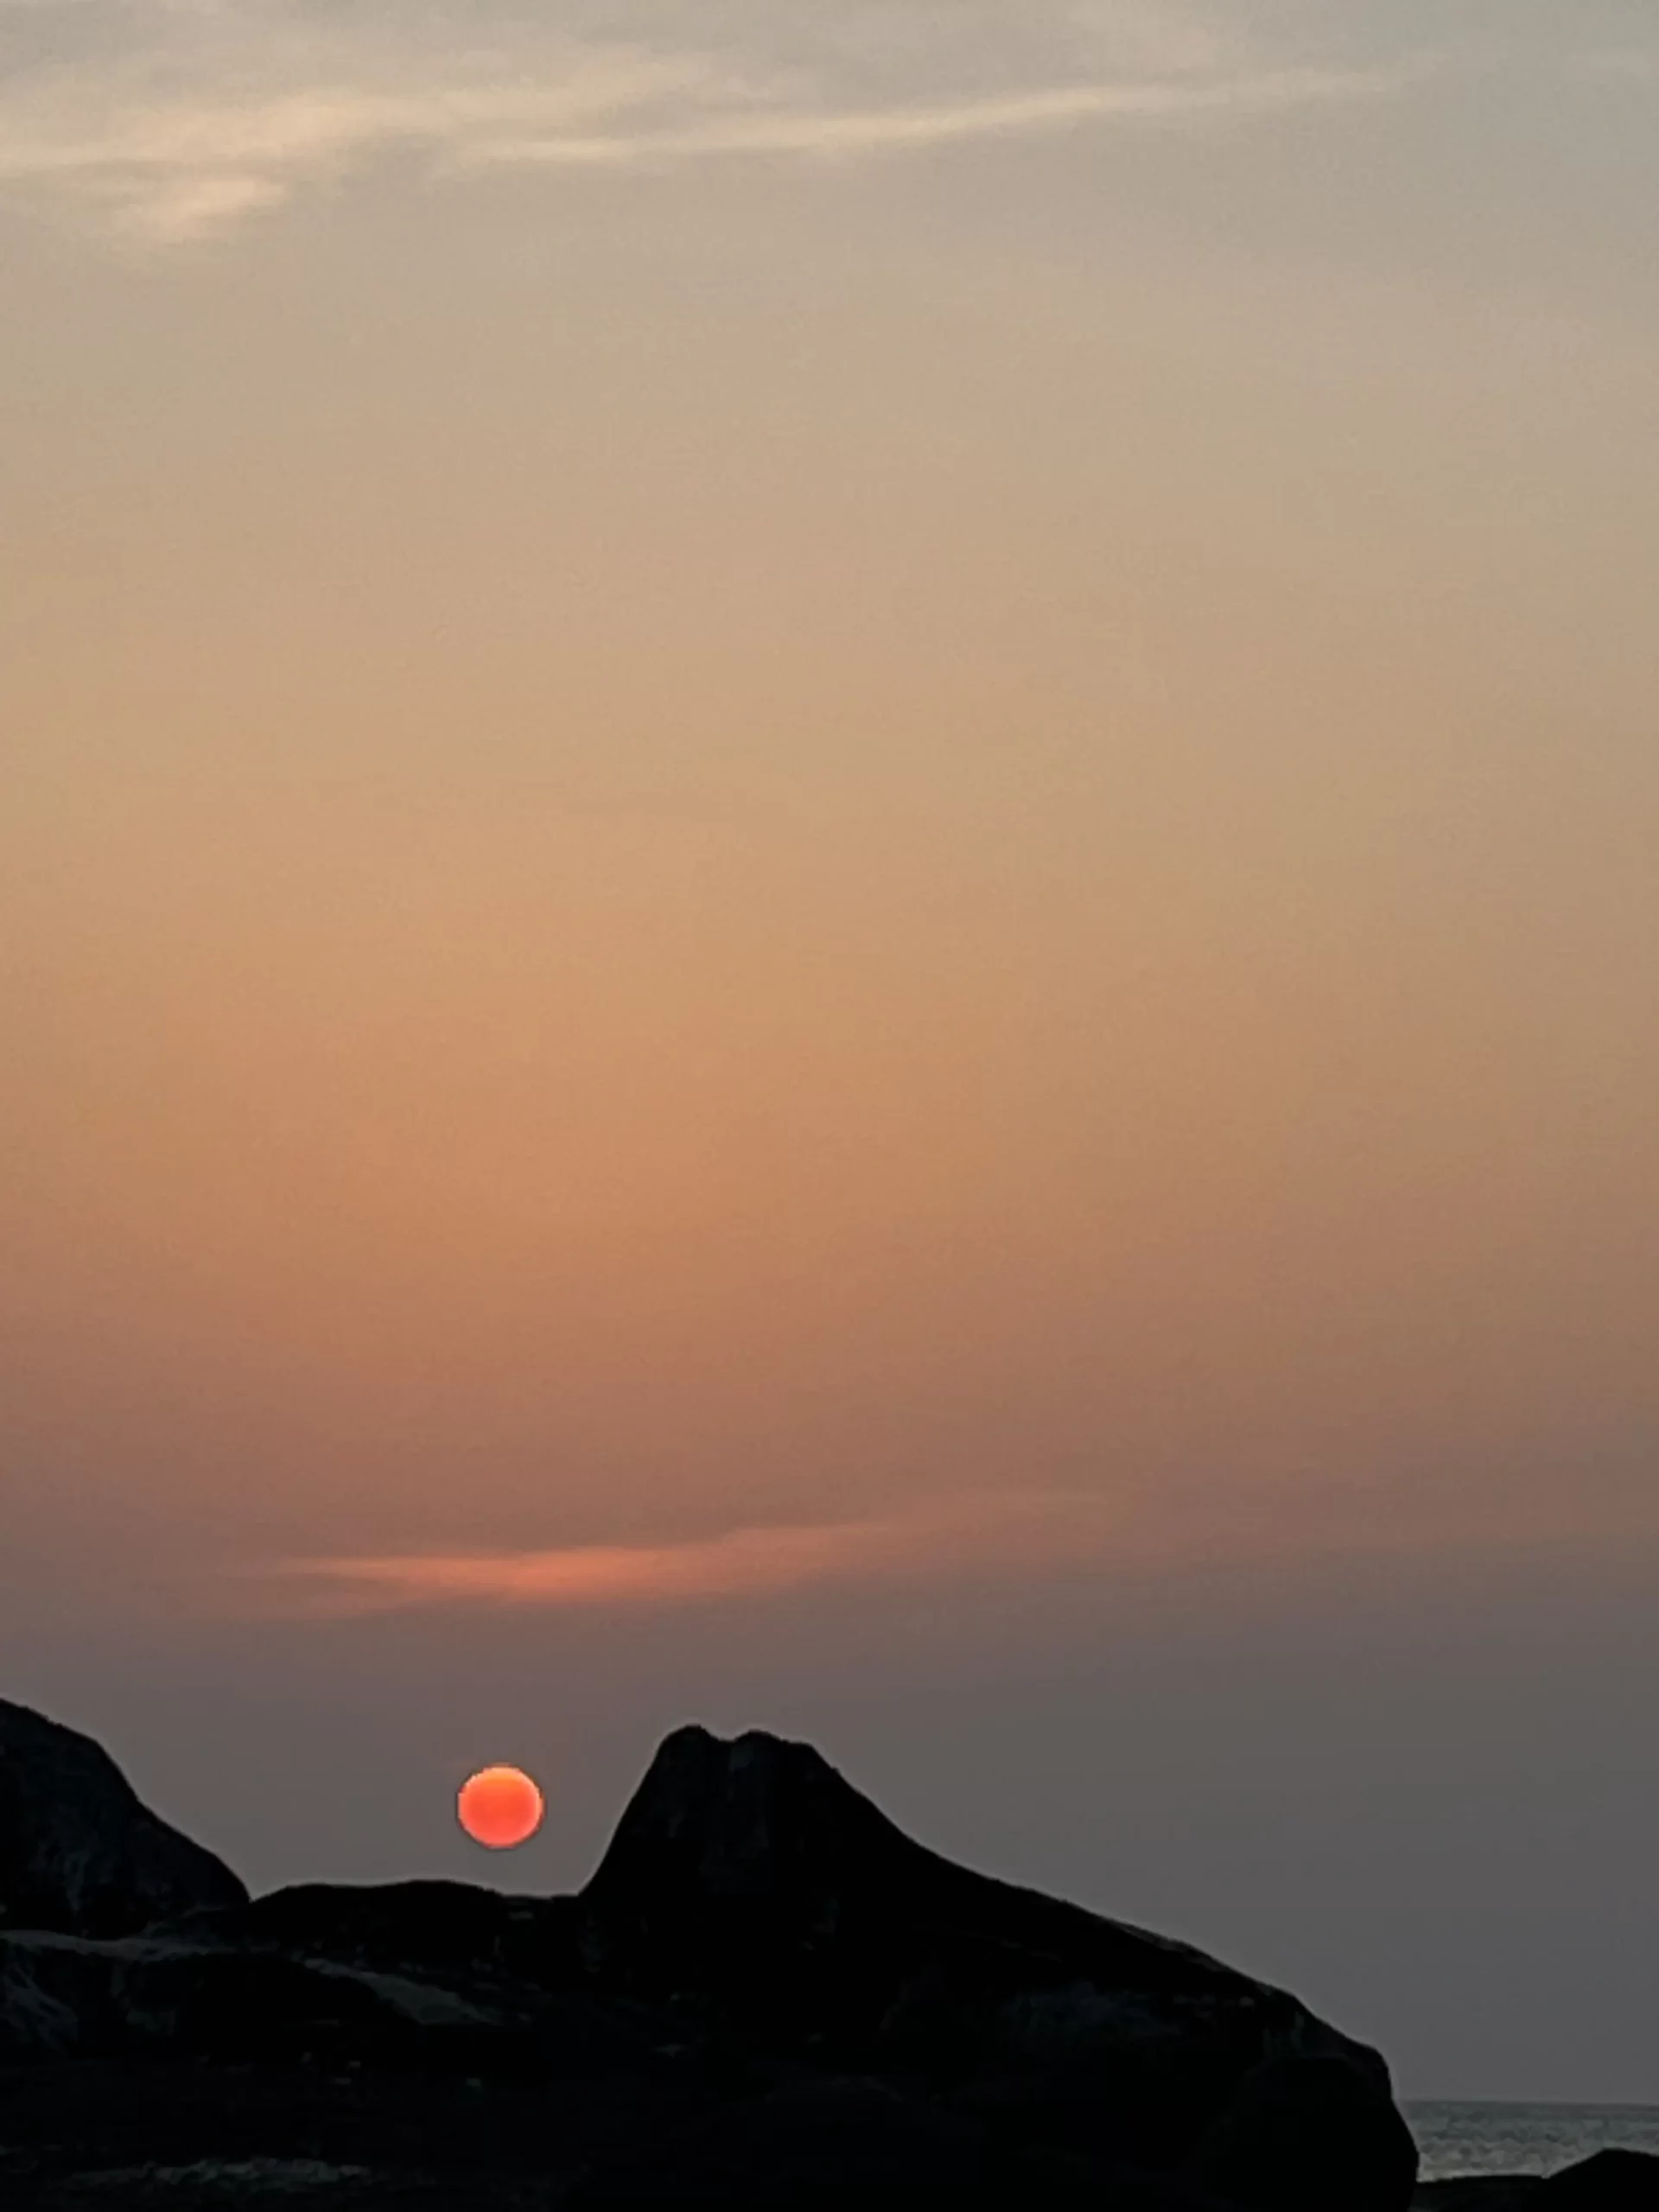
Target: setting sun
{"points": [[500, 1808]]}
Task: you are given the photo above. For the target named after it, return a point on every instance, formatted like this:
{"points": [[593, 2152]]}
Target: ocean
{"points": [[1461, 2140]]}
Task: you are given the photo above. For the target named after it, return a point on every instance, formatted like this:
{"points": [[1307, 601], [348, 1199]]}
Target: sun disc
{"points": [[500, 1808]]}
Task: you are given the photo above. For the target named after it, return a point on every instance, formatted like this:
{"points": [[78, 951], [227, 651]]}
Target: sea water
{"points": [[1458, 2139]]}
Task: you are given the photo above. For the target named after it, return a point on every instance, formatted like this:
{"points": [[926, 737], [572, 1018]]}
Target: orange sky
{"points": [[867, 808]]}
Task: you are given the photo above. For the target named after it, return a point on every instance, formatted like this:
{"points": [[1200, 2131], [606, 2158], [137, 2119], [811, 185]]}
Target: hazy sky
{"points": [[828, 898]]}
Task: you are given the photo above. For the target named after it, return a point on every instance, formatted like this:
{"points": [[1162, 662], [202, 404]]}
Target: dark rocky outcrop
{"points": [[80, 1854], [444, 1928], [63, 1996], [1611, 2181], [752, 1884], [768, 2000]]}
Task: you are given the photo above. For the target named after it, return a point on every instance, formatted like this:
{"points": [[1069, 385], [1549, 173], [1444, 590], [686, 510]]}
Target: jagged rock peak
{"points": [[80, 1853], [741, 1817]]}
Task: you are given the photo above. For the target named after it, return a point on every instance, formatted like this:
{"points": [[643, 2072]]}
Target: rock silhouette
{"points": [[751, 1880], [766, 1997], [78, 1853], [1611, 2181]]}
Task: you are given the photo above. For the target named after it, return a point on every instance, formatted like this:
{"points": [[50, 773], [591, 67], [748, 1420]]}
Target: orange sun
{"points": [[500, 1808]]}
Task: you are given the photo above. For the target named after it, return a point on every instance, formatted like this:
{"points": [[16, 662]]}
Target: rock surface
{"points": [[1482, 2193], [1611, 2181], [767, 1999], [832, 2143], [1308, 2129], [80, 1854]]}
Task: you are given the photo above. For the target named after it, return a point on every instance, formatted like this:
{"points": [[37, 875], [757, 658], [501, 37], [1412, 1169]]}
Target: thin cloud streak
{"points": [[878, 130], [244, 106], [964, 1539], [1002, 1536]]}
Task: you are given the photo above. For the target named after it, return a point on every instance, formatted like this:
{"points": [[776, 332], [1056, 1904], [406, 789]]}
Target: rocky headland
{"points": [[767, 1999]]}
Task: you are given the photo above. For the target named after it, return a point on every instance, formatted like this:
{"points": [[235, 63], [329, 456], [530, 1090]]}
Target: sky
{"points": [[827, 902]]}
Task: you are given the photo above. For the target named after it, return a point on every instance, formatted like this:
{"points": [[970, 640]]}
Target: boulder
{"points": [[748, 1884], [80, 1854], [1612, 2181]]}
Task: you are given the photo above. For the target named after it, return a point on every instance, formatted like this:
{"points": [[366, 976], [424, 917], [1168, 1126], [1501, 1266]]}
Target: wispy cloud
{"points": [[959, 1538], [875, 130], [1139, 1526], [176, 121]]}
